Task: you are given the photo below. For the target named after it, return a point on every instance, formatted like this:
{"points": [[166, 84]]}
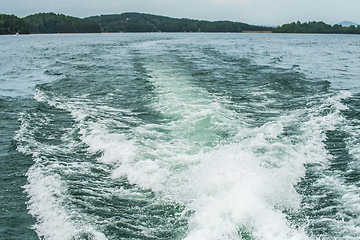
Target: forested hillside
{"points": [[59, 23], [140, 22], [316, 27], [11, 24]]}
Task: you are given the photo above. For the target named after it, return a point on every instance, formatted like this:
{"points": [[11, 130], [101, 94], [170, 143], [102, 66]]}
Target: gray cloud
{"points": [[270, 12]]}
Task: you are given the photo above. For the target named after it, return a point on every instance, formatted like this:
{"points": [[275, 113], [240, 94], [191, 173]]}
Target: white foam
{"points": [[242, 184], [315, 129], [46, 204], [230, 186], [46, 189]]}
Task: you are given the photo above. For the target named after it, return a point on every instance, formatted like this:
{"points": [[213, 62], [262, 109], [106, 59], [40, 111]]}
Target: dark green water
{"points": [[180, 136]]}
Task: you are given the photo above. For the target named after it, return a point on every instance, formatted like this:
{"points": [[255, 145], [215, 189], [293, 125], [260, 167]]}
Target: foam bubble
{"points": [[242, 185], [234, 179], [46, 204], [46, 188]]}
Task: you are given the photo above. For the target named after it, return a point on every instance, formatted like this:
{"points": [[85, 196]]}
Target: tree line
{"points": [[46, 23], [60, 23], [316, 27], [126, 22], [11, 24], [140, 22]]}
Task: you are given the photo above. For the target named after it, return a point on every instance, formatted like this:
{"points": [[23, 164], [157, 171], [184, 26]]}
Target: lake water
{"points": [[180, 136]]}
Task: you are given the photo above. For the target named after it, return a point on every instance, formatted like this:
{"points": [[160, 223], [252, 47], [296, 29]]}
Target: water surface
{"points": [[180, 136]]}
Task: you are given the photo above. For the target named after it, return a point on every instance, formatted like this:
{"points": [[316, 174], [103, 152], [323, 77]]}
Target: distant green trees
{"points": [[60, 23], [316, 27], [140, 22], [11, 24]]}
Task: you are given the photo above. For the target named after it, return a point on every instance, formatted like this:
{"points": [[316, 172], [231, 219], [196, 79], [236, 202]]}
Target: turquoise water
{"points": [[180, 136]]}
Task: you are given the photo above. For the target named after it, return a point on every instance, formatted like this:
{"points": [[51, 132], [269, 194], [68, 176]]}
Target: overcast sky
{"points": [[260, 12]]}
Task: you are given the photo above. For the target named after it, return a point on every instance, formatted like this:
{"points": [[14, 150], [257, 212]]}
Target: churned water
{"points": [[180, 136]]}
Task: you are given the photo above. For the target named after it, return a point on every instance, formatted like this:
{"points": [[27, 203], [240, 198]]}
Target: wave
{"points": [[196, 167]]}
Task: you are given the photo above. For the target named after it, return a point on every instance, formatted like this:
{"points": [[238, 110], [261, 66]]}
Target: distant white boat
{"points": [[17, 34]]}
